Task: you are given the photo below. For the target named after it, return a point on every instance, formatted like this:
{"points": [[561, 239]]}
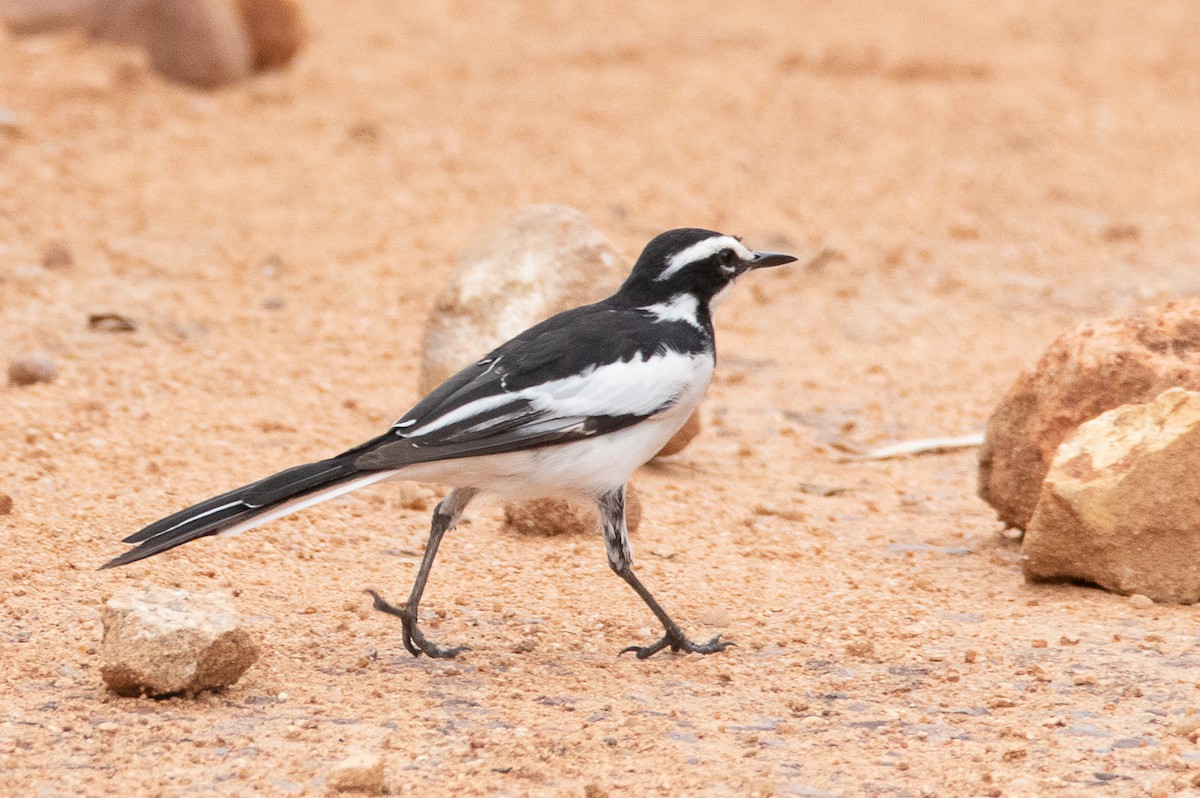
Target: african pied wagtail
{"points": [[568, 408]]}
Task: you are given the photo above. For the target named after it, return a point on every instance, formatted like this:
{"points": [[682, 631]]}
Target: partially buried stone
{"points": [[24, 371], [1119, 506], [358, 773], [163, 642], [549, 517]]}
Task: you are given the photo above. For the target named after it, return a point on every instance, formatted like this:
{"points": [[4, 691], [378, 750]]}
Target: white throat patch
{"points": [[701, 250]]}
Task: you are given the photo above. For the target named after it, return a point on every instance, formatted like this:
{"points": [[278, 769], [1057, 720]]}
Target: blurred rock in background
{"points": [[202, 43]]}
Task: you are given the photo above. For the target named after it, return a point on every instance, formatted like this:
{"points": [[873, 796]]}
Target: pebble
{"points": [[31, 370], [6, 504], [111, 323], [57, 256], [716, 616], [358, 773], [863, 649], [1140, 602]]}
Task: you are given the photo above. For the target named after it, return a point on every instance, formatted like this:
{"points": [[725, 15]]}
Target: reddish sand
{"points": [[963, 180]]}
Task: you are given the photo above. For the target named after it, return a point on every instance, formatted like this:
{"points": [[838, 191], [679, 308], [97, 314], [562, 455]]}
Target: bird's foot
{"points": [[676, 640], [416, 642]]}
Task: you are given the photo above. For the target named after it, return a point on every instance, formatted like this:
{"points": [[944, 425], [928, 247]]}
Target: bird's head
{"points": [[702, 263]]}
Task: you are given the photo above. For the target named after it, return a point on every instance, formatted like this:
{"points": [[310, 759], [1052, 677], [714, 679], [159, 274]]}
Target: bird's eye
{"points": [[727, 257]]}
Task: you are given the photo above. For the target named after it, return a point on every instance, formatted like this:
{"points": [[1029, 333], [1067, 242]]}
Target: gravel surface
{"points": [[962, 182]]}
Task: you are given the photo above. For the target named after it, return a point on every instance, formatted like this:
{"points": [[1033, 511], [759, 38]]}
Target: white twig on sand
{"points": [[921, 446]]}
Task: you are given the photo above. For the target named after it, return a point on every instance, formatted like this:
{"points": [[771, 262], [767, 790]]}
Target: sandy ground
{"points": [[976, 179]]}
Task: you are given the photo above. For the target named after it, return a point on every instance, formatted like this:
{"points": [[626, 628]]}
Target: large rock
{"points": [[161, 642], [1121, 504], [1090, 369]]}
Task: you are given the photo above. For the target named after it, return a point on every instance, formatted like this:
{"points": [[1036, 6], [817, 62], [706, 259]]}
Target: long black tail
{"points": [[249, 506]]}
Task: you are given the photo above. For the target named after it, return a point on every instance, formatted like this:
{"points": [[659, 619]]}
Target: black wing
{"points": [[483, 410]]}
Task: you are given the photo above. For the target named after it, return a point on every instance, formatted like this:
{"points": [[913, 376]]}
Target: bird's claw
{"points": [[414, 640], [678, 642]]}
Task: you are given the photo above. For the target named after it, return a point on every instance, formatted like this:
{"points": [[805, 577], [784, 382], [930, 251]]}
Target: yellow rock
{"points": [[1120, 507]]}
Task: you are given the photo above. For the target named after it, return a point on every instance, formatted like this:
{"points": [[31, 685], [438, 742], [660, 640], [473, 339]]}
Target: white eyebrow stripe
{"points": [[701, 250]]}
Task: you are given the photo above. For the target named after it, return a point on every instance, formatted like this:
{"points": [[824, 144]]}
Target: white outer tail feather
{"points": [[308, 500]]}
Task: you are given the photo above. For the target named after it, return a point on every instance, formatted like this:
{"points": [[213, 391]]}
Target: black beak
{"points": [[764, 259]]}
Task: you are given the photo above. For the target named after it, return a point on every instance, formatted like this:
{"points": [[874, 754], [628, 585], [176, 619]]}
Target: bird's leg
{"points": [[445, 516], [620, 559]]}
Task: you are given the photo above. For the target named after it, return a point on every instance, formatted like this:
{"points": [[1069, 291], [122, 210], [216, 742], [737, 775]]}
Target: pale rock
{"points": [[358, 773], [1120, 507], [199, 42], [161, 642], [535, 263], [716, 616], [1091, 368], [1140, 602]]}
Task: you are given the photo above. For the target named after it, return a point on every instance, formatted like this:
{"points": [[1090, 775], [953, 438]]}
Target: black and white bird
{"points": [[568, 408]]}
